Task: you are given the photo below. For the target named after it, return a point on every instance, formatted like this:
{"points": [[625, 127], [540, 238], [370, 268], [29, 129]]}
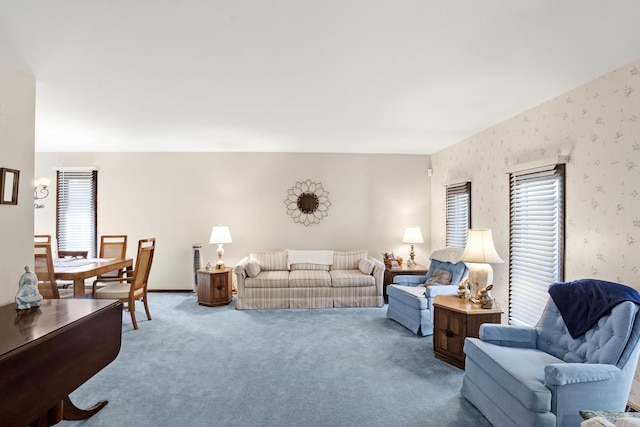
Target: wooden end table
{"points": [[390, 273], [215, 287], [454, 319]]}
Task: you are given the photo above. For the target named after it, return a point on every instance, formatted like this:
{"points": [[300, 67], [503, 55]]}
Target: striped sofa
{"points": [[309, 279]]}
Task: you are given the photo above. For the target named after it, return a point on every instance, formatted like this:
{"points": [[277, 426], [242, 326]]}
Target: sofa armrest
{"points": [[509, 335], [408, 280], [559, 374], [378, 274], [239, 270]]}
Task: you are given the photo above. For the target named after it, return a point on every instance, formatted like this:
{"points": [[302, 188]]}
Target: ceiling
{"points": [[338, 76]]}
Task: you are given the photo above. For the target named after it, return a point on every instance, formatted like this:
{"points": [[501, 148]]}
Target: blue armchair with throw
{"points": [[411, 297], [581, 355]]}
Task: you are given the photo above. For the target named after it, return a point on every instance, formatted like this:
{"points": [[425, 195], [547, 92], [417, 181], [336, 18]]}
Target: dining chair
{"points": [[65, 254], [42, 238], [43, 261], [133, 286], [73, 254], [112, 246]]}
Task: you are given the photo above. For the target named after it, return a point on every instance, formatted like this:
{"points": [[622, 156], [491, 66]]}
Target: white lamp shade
{"points": [[480, 248], [220, 234], [412, 235]]}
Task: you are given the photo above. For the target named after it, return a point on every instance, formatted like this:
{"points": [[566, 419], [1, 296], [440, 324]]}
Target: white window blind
{"points": [[536, 247], [76, 210], [458, 214]]}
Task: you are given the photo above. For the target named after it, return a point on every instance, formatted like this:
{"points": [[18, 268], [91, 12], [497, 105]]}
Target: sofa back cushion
{"points": [[271, 261], [604, 343], [309, 266], [347, 260], [458, 270]]}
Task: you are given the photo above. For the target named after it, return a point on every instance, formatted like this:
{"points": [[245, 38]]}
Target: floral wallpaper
{"points": [[598, 126]]}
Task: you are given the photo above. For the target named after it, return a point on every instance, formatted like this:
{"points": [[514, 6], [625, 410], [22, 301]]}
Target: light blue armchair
{"points": [[542, 376], [412, 305]]}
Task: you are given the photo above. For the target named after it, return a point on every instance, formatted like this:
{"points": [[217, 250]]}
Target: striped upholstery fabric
{"points": [[363, 296], [347, 260], [351, 278], [305, 266], [311, 297], [314, 285], [254, 298], [271, 261], [268, 279], [309, 279]]}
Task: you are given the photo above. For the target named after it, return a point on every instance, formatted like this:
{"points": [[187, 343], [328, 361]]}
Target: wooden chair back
{"points": [[43, 262], [113, 246], [146, 249]]}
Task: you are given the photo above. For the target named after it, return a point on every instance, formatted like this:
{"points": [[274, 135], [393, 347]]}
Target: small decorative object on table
{"points": [[390, 260], [209, 266], [28, 295], [484, 297], [463, 289]]}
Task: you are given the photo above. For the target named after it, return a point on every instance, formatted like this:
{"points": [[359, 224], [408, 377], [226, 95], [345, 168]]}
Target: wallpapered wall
{"points": [[598, 126]]}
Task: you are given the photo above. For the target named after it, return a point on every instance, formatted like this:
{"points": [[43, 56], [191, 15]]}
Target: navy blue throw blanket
{"points": [[583, 302]]}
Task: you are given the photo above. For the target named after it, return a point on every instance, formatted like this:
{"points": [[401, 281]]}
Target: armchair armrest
{"points": [[408, 280], [509, 335], [432, 291], [573, 373]]}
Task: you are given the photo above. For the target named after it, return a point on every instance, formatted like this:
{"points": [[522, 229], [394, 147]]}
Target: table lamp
{"points": [[478, 255], [412, 235], [220, 234]]}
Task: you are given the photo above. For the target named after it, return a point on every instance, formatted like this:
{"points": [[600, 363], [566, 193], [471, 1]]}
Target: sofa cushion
{"points": [[365, 266], [519, 370], [309, 279], [268, 279], [309, 266], [252, 268], [347, 260], [271, 261], [351, 278]]}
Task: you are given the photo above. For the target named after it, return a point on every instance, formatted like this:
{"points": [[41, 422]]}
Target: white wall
{"points": [[598, 124], [178, 197], [17, 121]]}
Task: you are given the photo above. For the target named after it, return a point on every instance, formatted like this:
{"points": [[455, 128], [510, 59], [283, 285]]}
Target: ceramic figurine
{"points": [[463, 289], [28, 295], [485, 298], [209, 266]]}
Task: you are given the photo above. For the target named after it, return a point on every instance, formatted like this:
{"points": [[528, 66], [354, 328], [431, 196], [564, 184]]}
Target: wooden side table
{"points": [[390, 273], [215, 287], [454, 319]]}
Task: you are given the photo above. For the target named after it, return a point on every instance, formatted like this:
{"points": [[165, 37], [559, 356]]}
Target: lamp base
{"points": [[220, 252], [480, 275]]}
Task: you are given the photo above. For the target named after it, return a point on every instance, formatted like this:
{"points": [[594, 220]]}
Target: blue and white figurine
{"points": [[28, 295]]}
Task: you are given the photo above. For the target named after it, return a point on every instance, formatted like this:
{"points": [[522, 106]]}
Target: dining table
{"points": [[80, 269]]}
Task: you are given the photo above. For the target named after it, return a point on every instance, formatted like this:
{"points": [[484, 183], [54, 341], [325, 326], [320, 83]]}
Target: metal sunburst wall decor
{"points": [[307, 202]]}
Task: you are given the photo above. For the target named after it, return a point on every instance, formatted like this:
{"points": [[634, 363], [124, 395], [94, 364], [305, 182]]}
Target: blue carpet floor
{"points": [[217, 366]]}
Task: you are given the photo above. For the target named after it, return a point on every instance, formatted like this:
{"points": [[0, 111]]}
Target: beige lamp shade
{"points": [[480, 248], [412, 235], [220, 234]]}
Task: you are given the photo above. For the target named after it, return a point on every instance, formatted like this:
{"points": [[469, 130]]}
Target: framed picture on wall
{"points": [[9, 179]]}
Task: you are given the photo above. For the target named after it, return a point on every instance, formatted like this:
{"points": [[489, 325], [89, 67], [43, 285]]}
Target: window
{"points": [[76, 210], [536, 246], [458, 214]]}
